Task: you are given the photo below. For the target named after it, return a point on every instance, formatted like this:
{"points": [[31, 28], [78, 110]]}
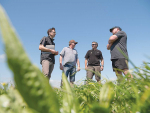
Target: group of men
{"points": [[94, 62]]}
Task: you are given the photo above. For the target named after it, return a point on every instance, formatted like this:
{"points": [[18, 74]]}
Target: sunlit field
{"points": [[33, 94]]}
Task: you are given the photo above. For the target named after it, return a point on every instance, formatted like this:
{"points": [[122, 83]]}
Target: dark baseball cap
{"points": [[72, 41], [115, 27]]}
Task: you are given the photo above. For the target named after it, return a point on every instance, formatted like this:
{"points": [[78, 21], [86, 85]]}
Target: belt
{"points": [[46, 52]]}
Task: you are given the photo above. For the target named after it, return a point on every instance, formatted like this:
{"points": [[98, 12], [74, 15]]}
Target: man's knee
{"points": [[126, 71], [46, 73], [45, 67], [118, 72], [98, 77], [89, 75]]}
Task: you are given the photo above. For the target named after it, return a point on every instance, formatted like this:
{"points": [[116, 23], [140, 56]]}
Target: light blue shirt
{"points": [[69, 56]]}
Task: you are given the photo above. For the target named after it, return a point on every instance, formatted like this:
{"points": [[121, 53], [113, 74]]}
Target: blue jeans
{"points": [[71, 71]]}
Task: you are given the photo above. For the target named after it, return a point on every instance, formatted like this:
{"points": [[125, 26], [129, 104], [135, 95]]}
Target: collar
{"points": [[93, 49], [70, 48], [51, 38]]}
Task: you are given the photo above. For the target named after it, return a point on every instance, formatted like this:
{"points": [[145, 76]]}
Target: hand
{"points": [[101, 68], [52, 51], [78, 69], [108, 47], [86, 67], [61, 67], [56, 52]]}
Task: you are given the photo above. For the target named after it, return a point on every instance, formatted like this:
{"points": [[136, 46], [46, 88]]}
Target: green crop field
{"points": [[33, 94]]}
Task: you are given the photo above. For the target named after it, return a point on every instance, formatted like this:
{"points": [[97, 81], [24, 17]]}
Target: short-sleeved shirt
{"points": [[69, 56], [94, 57], [50, 57], [121, 43]]}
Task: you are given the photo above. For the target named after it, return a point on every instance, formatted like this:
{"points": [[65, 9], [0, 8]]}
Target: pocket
{"points": [[74, 52], [44, 56], [66, 65], [116, 62]]}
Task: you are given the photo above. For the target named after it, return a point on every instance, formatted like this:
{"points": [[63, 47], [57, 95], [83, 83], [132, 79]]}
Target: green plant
{"points": [[30, 82], [33, 94]]}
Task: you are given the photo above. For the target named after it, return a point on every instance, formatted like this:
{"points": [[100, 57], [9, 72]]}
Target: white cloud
{"points": [[55, 83], [113, 79], [2, 57]]}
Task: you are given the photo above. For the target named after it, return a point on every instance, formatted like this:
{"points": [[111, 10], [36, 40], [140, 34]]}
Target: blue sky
{"points": [[84, 21]]}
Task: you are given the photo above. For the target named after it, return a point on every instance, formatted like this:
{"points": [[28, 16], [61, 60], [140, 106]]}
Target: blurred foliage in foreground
{"points": [[33, 94]]}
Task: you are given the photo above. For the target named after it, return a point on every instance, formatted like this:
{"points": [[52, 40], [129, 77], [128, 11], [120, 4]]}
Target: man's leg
{"points": [[51, 67], [89, 73], [98, 73], [119, 75], [117, 66], [126, 72], [72, 76], [45, 68], [66, 72]]}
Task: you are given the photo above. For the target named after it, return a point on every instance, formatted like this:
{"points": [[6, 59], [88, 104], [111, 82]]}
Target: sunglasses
{"points": [[53, 32], [74, 43], [94, 44]]}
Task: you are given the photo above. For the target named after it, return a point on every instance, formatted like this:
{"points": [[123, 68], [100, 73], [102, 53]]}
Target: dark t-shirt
{"points": [[94, 57], [50, 57], [121, 43]]}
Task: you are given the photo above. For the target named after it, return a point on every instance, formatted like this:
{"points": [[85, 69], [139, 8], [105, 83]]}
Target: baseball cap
{"points": [[72, 41], [115, 27]]}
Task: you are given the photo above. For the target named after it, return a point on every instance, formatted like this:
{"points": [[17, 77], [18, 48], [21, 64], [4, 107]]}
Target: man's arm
{"points": [[111, 40], [102, 64], [109, 46], [86, 60], [42, 48], [60, 61], [78, 63]]}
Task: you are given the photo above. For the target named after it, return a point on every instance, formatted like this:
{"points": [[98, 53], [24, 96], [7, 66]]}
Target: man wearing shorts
{"points": [[70, 58], [118, 41], [93, 58]]}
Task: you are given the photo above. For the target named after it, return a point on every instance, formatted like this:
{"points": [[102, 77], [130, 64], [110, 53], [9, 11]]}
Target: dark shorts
{"points": [[120, 63]]}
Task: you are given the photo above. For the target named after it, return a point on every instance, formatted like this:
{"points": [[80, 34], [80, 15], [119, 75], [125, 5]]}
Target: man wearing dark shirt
{"points": [[93, 57], [48, 55], [119, 62]]}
